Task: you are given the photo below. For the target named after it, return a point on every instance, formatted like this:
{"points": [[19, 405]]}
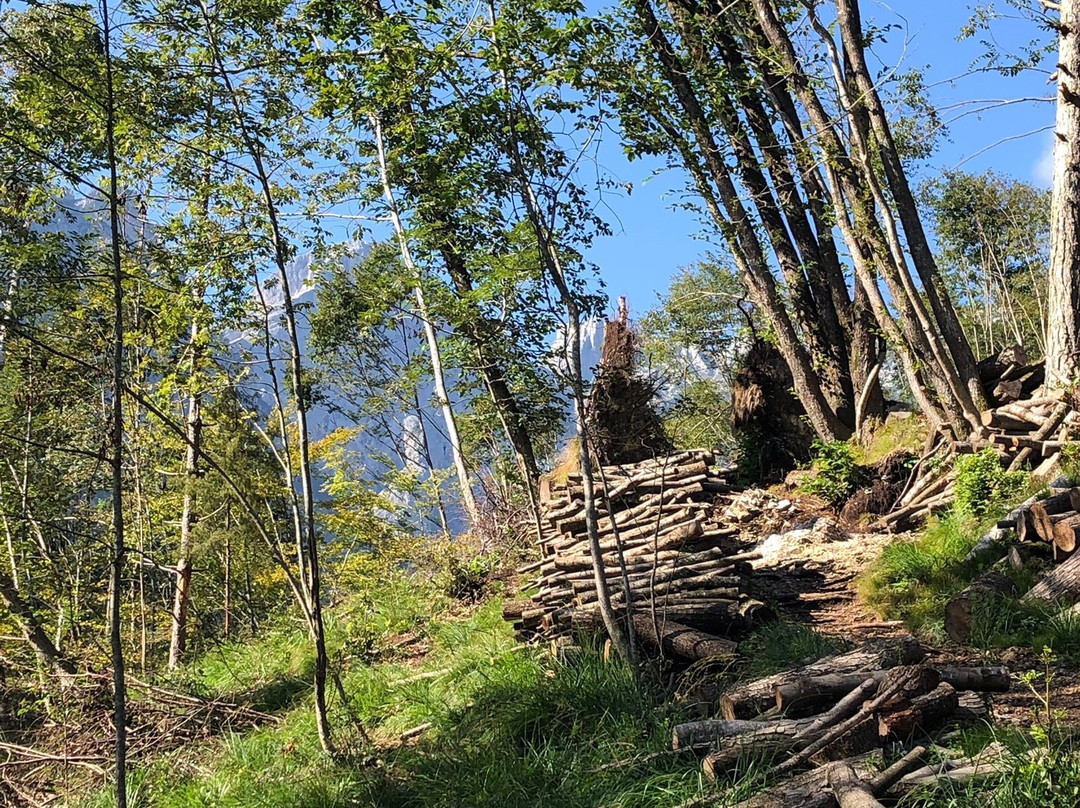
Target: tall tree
{"points": [[789, 152], [1063, 318]]}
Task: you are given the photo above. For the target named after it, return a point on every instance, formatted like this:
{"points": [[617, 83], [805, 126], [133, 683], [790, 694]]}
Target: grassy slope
{"points": [[509, 725]]}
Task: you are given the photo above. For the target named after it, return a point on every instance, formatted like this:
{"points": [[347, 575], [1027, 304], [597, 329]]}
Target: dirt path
{"points": [[810, 567]]}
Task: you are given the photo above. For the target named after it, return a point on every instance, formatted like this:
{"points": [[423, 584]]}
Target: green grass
{"points": [[902, 433], [507, 725], [776, 646], [913, 578]]}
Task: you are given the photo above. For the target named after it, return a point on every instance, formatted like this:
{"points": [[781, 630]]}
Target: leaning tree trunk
{"points": [[1063, 324]]}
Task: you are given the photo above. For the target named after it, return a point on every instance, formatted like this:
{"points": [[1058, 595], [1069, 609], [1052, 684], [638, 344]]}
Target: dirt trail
{"points": [[810, 567]]}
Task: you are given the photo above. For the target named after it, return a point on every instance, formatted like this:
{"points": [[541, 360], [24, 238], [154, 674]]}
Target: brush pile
{"points": [[682, 565], [820, 721]]}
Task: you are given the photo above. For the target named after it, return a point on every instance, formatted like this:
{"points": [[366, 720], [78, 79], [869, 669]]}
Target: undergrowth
{"points": [[495, 723], [835, 473]]}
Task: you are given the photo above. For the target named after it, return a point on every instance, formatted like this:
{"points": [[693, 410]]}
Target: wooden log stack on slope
{"points": [[682, 565]]}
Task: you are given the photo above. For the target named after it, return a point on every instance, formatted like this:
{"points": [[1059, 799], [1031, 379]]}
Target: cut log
{"points": [[702, 734], [772, 737], [813, 692], [1005, 392], [756, 697], [920, 715], [809, 789], [995, 419], [1053, 423], [903, 683], [1061, 585], [1067, 532], [851, 790], [959, 610], [886, 778], [682, 641]]}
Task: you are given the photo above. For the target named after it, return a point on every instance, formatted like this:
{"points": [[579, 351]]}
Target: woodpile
{"points": [[658, 525], [1027, 428], [828, 715]]}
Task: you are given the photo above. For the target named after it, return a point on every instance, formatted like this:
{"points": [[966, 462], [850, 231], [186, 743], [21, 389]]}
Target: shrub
{"points": [[983, 486], [1070, 463], [836, 475]]}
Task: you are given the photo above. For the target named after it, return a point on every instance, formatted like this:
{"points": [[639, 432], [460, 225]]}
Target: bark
{"points": [[739, 230], [116, 427], [770, 737], [188, 517], [1061, 585], [681, 641], [435, 356], [484, 334], [552, 263], [813, 692], [922, 714], [1063, 319], [32, 629], [851, 790], [700, 734], [959, 611], [918, 245], [756, 697], [306, 534]]}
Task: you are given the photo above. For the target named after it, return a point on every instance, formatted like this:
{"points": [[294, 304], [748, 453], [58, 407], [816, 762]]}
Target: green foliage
{"points": [[1070, 463], [913, 578], [781, 644], [700, 417], [994, 236], [983, 487], [836, 474]]}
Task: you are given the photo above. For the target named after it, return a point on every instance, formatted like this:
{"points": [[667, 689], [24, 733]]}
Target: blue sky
{"points": [[652, 241]]}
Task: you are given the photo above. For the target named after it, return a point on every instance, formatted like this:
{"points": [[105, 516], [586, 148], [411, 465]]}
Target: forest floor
{"points": [[463, 715]]}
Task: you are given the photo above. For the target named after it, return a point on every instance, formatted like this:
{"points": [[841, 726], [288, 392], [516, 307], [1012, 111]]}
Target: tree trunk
{"points": [[193, 425], [738, 228], [32, 629], [1063, 322], [756, 697], [306, 533], [116, 426]]}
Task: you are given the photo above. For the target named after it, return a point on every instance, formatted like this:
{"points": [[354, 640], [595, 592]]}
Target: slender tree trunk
{"points": [[553, 266], [188, 517], [296, 371], [116, 425], [32, 629], [739, 230], [439, 220], [228, 569], [1063, 320], [434, 352], [918, 245]]}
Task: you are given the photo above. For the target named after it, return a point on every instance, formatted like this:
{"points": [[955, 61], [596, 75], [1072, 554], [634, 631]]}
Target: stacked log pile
{"points": [[833, 712], [682, 565], [1045, 529], [1025, 426], [1031, 431]]}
